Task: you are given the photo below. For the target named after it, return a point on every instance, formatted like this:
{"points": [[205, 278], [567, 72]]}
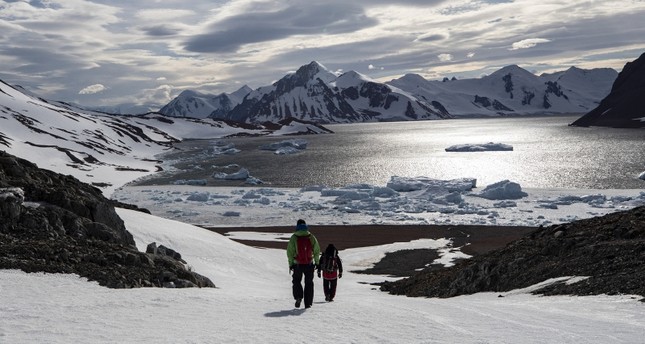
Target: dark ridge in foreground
{"points": [[610, 250], [623, 107], [56, 224]]}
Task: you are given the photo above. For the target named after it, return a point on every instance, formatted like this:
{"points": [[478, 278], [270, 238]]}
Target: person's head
{"points": [[301, 225], [330, 250]]}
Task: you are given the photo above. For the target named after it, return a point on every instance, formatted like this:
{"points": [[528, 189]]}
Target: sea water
{"points": [[547, 153]]}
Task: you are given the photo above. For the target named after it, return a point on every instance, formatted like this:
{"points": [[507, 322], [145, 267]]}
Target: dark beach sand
{"points": [[473, 239]]}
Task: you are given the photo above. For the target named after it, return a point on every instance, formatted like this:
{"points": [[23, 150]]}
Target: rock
{"points": [[623, 107], [69, 227], [609, 250]]}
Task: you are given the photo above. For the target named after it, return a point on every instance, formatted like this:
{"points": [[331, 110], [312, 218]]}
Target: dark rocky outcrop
{"points": [[625, 104], [55, 223], [609, 250]]}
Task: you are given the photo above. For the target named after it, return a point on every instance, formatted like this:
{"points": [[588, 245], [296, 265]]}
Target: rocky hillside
{"points": [[609, 251], [54, 223], [625, 104]]}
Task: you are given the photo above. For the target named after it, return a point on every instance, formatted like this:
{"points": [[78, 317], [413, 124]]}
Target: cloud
{"points": [[528, 43], [56, 48], [160, 30], [305, 18], [444, 57], [93, 89], [431, 37]]}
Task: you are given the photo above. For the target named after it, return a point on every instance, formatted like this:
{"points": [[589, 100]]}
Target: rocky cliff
{"points": [[624, 107], [54, 223]]}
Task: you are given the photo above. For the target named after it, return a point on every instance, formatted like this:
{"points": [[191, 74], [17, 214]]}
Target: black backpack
{"points": [[329, 263]]}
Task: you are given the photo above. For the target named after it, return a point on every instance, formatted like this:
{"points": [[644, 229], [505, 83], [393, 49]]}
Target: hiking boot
{"points": [[307, 306], [298, 303], [326, 298]]}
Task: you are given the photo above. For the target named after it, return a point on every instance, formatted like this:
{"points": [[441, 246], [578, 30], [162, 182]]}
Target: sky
{"points": [[144, 53]]}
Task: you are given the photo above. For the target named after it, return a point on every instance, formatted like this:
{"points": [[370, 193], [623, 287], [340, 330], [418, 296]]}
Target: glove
{"points": [[318, 273], [340, 275], [291, 267]]}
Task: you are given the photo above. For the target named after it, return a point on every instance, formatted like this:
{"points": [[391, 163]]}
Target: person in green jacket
{"points": [[303, 254]]}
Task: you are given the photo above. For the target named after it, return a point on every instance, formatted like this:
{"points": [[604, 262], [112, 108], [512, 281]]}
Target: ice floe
{"points": [[404, 200], [472, 147], [286, 147]]}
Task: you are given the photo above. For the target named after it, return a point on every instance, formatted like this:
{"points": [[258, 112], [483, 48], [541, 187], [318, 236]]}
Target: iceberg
{"points": [[469, 147], [502, 190], [286, 147]]}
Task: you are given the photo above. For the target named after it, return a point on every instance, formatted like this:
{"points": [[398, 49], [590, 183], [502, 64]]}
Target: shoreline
{"points": [[471, 239]]}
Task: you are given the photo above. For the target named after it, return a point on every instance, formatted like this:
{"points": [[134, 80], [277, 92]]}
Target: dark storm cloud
{"points": [[431, 38], [231, 33], [159, 31]]}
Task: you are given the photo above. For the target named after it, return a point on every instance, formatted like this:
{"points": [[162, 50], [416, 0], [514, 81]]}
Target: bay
{"points": [[547, 153]]}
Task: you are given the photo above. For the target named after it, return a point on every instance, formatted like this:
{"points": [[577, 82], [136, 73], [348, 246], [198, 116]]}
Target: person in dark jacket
{"points": [[332, 269], [303, 254]]}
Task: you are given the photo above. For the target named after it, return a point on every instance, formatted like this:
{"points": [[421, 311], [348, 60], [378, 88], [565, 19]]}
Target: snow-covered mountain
{"points": [[513, 91], [95, 147], [314, 93], [199, 105]]}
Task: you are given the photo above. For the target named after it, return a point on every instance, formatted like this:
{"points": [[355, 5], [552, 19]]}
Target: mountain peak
{"points": [[309, 71], [512, 69], [188, 93]]}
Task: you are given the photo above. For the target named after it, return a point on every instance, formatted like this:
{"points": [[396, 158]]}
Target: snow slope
{"points": [[253, 304]]}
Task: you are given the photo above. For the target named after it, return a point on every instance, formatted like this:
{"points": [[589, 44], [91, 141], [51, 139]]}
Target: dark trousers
{"points": [[329, 286], [306, 270]]}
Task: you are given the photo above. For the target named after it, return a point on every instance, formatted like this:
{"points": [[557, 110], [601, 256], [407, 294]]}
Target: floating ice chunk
{"points": [[594, 199], [286, 151], [505, 204], [384, 192], [224, 148], [251, 195], [199, 197], [405, 184], [286, 147], [620, 199], [642, 175], [253, 181], [502, 190], [263, 200], [242, 174], [317, 188], [231, 213], [548, 205], [469, 147], [190, 182]]}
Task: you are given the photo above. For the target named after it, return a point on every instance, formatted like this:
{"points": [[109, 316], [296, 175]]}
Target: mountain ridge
{"points": [[314, 93]]}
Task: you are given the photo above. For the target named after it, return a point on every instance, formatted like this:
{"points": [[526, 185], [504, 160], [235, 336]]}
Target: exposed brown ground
{"points": [[473, 239]]}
